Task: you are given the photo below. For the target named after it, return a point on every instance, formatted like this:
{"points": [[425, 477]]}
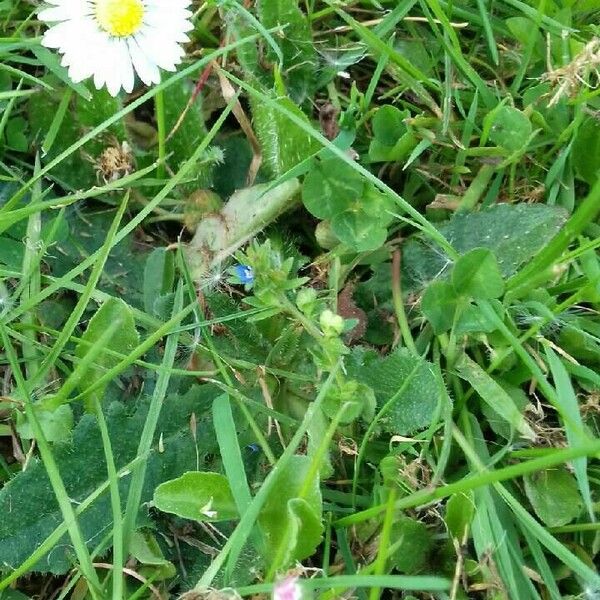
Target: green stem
{"points": [[139, 473], [399, 304], [477, 188], [384, 541], [159, 108], [115, 501]]}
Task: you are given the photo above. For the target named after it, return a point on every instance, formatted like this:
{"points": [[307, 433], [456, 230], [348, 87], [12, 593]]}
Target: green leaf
{"points": [[439, 304], [159, 276], [146, 550], [554, 496], [494, 395], [460, 511], [388, 124], [189, 134], [288, 519], [85, 231], [124, 340], [74, 170], [574, 428], [509, 128], [27, 502], [296, 44], [15, 134], [330, 187], [359, 231], [284, 144], [514, 233], [198, 496], [56, 425], [586, 150], [415, 544], [402, 378], [476, 274]]}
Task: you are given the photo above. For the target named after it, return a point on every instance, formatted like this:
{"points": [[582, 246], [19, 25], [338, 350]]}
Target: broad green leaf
{"points": [[388, 124], [497, 424], [124, 340], [359, 231], [554, 496], [331, 187], [586, 150], [284, 144], [439, 303], [289, 520], [146, 550], [472, 320], [494, 395], [300, 59], [15, 134], [476, 274], [514, 233], [509, 128], [415, 544], [460, 511], [84, 234], [199, 496], [159, 275], [27, 502], [189, 134], [56, 425], [406, 381]]}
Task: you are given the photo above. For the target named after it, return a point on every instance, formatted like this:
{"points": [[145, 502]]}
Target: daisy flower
{"points": [[109, 39]]}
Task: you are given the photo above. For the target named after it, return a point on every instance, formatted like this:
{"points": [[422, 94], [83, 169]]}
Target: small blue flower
{"points": [[245, 274]]}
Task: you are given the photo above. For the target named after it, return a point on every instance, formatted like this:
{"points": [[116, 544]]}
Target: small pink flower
{"points": [[287, 589]]}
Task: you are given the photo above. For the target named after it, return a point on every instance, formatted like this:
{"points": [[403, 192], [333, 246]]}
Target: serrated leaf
{"points": [[404, 379], [289, 520], [494, 395], [27, 502], [199, 496], [476, 274], [554, 496], [124, 340]]}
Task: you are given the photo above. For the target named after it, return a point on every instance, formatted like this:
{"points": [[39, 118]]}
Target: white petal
{"points": [[145, 68]]}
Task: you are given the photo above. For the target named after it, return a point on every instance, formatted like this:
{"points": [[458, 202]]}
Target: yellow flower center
{"points": [[120, 17]]}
